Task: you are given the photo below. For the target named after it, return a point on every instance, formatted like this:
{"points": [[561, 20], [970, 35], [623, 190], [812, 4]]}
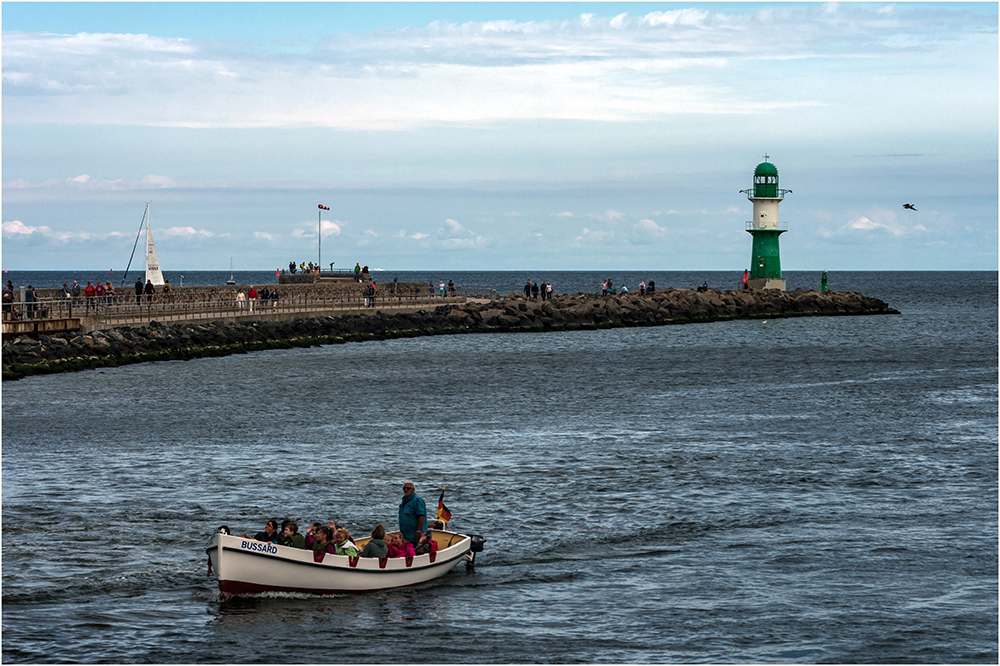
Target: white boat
{"points": [[245, 566], [153, 273], [231, 280]]}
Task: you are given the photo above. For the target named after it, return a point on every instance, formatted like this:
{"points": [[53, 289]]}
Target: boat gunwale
{"points": [[345, 566], [336, 566]]}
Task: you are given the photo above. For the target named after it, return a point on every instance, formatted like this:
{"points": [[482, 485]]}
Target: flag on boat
{"points": [[443, 513]]}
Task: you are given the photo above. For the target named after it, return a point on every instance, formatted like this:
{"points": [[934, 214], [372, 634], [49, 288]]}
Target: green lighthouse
{"points": [[765, 259]]}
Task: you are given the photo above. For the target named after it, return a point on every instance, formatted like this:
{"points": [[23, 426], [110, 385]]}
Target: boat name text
{"points": [[260, 546]]}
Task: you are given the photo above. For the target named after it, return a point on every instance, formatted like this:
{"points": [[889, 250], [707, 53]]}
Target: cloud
{"points": [[864, 223], [608, 215], [649, 227], [457, 237], [85, 183], [677, 17], [592, 236], [184, 232], [419, 236], [328, 227], [15, 229], [263, 235], [563, 214], [19, 228], [619, 68], [879, 221]]}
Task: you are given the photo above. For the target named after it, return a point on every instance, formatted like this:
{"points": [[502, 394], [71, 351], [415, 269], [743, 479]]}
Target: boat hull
{"points": [[244, 566]]}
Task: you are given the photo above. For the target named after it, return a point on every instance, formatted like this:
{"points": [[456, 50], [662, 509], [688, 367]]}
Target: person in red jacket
{"points": [[89, 292], [252, 297]]}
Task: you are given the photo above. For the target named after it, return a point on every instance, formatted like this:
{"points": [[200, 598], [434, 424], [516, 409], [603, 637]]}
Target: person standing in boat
{"points": [[412, 513]]}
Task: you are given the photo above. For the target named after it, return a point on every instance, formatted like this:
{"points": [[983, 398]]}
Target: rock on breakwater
{"points": [[123, 345]]}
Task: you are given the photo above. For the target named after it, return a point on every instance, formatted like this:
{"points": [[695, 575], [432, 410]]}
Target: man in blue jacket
{"points": [[412, 513]]}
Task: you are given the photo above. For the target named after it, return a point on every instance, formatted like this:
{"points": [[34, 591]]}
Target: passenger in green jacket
{"points": [[376, 545], [290, 536], [342, 541]]}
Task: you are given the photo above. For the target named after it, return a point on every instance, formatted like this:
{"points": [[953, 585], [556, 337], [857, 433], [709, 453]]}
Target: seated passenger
{"points": [[376, 545], [290, 536], [426, 544], [270, 533], [344, 546], [400, 547], [323, 540], [310, 537], [337, 526]]}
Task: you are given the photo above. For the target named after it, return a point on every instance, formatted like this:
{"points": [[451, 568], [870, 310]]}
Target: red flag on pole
{"points": [[443, 513]]}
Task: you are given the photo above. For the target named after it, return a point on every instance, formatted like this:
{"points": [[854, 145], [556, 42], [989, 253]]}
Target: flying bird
{"points": [[909, 206]]}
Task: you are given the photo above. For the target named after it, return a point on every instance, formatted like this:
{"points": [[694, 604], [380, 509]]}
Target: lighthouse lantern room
{"points": [[765, 259]]}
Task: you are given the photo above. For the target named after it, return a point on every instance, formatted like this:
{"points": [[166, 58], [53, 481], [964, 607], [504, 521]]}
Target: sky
{"points": [[494, 136]]}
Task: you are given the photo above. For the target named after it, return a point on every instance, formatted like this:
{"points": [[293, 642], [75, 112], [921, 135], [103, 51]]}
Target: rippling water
{"points": [[818, 490]]}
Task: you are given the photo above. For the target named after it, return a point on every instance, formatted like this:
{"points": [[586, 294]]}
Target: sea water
{"points": [[781, 491]]}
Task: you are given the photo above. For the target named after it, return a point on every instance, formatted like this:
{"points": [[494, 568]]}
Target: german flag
{"points": [[443, 513]]}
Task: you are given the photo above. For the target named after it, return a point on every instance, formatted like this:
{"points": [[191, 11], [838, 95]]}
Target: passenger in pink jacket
{"points": [[399, 547]]}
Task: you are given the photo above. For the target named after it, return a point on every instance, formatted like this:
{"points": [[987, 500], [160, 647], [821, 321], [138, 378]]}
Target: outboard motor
{"points": [[475, 547]]}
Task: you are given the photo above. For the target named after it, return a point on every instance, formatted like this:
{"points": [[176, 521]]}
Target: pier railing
{"points": [[753, 226], [112, 310]]}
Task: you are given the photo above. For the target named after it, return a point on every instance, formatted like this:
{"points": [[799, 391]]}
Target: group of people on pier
{"points": [[304, 267], [538, 290], [249, 299], [608, 288]]}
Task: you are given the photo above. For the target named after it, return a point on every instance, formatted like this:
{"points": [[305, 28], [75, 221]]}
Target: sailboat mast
{"points": [[146, 264]]}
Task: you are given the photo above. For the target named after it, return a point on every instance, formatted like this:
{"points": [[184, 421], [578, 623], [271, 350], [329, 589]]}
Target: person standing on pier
{"points": [[89, 293], [252, 298], [138, 291]]}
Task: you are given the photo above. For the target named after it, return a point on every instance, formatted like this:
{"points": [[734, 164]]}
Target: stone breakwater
{"points": [[512, 313]]}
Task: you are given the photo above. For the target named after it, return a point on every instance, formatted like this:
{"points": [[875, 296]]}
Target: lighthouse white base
{"points": [[759, 284]]}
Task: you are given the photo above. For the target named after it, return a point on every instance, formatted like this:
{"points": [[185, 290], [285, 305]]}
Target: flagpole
{"points": [[319, 234]]}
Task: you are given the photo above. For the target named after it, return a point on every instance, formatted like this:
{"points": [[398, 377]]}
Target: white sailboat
{"points": [[153, 273], [231, 280]]}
